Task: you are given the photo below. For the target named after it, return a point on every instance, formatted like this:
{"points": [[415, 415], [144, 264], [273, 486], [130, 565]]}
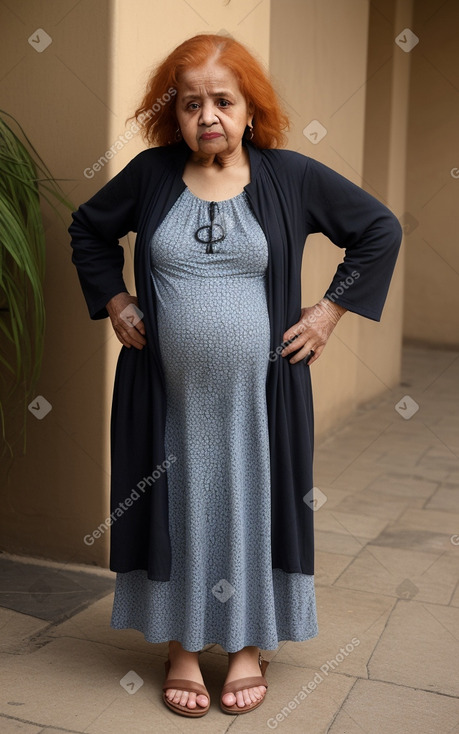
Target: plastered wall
{"points": [[432, 191], [345, 75]]}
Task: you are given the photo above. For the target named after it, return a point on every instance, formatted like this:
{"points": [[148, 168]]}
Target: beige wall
{"points": [[345, 72], [432, 193], [61, 96], [73, 100]]}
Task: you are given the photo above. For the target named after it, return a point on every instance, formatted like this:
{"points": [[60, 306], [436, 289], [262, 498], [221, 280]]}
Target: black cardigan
{"points": [[291, 196]]}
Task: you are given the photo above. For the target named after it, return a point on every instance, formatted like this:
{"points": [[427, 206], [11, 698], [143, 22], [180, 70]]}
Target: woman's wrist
{"points": [[333, 310]]}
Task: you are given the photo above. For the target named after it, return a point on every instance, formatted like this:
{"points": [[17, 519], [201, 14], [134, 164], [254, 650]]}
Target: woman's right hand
{"points": [[124, 313]]}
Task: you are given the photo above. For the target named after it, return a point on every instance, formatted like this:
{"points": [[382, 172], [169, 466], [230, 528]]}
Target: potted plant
{"points": [[24, 180]]}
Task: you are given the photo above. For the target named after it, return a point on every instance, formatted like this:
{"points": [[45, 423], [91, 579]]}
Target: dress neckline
{"points": [[208, 201]]}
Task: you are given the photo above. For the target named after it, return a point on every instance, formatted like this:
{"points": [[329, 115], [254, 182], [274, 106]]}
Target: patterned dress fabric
{"points": [[214, 338]]}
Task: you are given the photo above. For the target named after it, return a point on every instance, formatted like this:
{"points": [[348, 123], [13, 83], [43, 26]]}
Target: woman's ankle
{"points": [[248, 650], [176, 648]]}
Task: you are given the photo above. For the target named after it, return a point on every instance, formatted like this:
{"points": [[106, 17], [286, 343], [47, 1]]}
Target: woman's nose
{"points": [[208, 116]]}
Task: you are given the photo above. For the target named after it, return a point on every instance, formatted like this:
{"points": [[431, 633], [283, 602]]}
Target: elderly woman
{"points": [[212, 423]]}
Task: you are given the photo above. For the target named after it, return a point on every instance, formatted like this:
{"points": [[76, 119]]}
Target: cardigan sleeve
{"points": [[357, 222], [95, 231]]}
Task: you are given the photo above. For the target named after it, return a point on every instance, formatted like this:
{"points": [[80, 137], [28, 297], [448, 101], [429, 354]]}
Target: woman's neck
{"points": [[238, 158]]}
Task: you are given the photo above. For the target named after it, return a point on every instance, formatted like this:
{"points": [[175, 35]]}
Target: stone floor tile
{"points": [[411, 463], [13, 726], [455, 599], [93, 624], [16, 628], [80, 678], [342, 615], [334, 496], [376, 505], [423, 367], [383, 708], [419, 648], [433, 520], [402, 486], [356, 478], [346, 523], [328, 566], [442, 460], [312, 714], [402, 573], [145, 710], [399, 535], [400, 444], [444, 499], [338, 543]]}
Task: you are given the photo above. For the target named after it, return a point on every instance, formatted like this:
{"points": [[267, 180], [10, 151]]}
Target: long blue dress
{"points": [[214, 338]]}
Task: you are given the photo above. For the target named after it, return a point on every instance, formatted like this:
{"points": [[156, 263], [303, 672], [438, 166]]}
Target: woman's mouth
{"points": [[209, 136]]}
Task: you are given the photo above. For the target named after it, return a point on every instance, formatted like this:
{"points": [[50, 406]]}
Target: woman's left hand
{"points": [[312, 331]]}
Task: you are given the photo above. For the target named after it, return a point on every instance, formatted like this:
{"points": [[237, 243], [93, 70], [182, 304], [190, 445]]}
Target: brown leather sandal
{"points": [[181, 684], [240, 684]]}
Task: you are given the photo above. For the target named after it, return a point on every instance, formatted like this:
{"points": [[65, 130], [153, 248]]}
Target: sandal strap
{"points": [[181, 684], [241, 683], [251, 682]]}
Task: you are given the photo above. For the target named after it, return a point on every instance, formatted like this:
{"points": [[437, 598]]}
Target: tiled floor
{"points": [[386, 660]]}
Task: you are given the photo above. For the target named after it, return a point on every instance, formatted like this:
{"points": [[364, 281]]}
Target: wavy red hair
{"points": [[156, 114]]}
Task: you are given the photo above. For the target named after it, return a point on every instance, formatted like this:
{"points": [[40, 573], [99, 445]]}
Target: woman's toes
{"points": [[259, 691], [170, 694], [249, 696], [243, 698], [189, 699]]}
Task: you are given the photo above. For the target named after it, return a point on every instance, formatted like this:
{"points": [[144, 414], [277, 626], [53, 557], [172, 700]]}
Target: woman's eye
{"points": [[224, 102], [190, 106]]}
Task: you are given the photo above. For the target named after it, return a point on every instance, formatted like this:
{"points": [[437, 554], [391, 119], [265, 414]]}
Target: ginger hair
{"points": [[158, 126]]}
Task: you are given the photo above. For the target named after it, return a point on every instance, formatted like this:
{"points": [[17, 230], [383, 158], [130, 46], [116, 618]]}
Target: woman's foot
{"points": [[185, 664], [243, 664]]}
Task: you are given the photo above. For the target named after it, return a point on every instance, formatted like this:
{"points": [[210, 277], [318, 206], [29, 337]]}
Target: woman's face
{"points": [[211, 112]]}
